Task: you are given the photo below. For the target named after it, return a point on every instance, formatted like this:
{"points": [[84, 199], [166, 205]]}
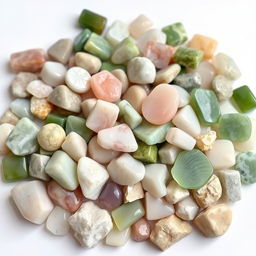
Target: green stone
{"points": [[175, 34], [14, 168], [127, 214], [192, 169], [246, 165], [125, 51], [98, 46], [56, 119], [23, 138], [244, 99], [81, 39], [235, 127], [78, 124], [146, 153], [129, 114], [188, 57], [110, 66], [206, 106], [21, 108], [151, 134], [62, 168], [93, 21]]}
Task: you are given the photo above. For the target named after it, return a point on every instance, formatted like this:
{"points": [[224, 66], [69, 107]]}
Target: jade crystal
{"points": [[206, 106], [110, 66], [56, 119], [81, 39], [146, 153]]}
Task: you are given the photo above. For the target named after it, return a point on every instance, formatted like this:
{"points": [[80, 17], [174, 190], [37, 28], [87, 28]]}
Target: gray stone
{"points": [[21, 108], [37, 166], [189, 81]]}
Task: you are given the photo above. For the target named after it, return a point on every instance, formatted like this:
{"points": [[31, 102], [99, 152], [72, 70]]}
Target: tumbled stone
{"points": [[21, 108], [222, 87], [88, 61], [39, 89], [167, 75], [186, 209], [40, 108], [189, 81], [117, 32], [205, 141], [133, 192], [5, 130], [37, 165], [9, 117], [175, 193]]}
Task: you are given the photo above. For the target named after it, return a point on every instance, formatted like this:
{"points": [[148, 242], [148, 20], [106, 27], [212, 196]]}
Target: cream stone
{"points": [[186, 209], [133, 192], [205, 141], [175, 193]]}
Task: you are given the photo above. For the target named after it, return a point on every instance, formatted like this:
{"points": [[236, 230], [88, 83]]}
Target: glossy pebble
{"points": [[161, 104], [39, 89]]}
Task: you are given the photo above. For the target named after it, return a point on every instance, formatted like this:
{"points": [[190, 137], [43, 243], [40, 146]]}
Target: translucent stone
{"points": [[21, 108], [117, 31], [111, 196], [68, 200], [57, 222], [207, 73], [118, 238], [166, 98], [37, 165], [5, 130], [140, 25], [140, 230], [226, 66], [39, 89]]}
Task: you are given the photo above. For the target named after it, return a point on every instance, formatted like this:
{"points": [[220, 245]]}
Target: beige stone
{"points": [[133, 192], [209, 194], [205, 141], [175, 193], [168, 74], [40, 107], [9, 117], [168, 231], [5, 130], [87, 106], [87, 61], [214, 221], [121, 75]]}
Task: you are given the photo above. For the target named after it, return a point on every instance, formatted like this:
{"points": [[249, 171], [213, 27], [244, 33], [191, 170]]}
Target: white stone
{"points": [[133, 192], [231, 184], [154, 35], [175, 193], [222, 154], [184, 96], [90, 224], [227, 108], [92, 176], [117, 32], [100, 154], [118, 238], [9, 117], [207, 73], [180, 139], [186, 120], [222, 87], [103, 115], [32, 200], [53, 73], [78, 79], [75, 146], [125, 170], [168, 153], [37, 165], [157, 208], [155, 179], [118, 138], [57, 222], [186, 209], [87, 106], [39, 89], [141, 70], [5, 130]]}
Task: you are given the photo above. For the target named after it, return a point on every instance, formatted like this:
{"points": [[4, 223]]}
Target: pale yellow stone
{"points": [[175, 193], [121, 75], [209, 194], [87, 61], [40, 107], [168, 231], [214, 221], [168, 74], [205, 141], [133, 192]]}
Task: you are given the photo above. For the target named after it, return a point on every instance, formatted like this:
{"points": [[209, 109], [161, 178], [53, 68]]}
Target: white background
{"points": [[31, 24]]}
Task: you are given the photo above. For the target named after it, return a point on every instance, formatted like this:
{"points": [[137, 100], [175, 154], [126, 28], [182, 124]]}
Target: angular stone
{"points": [[87, 106], [40, 108], [9, 117], [39, 89], [189, 81], [175, 33], [168, 153], [23, 138], [21, 108], [118, 238], [186, 209], [175, 193], [222, 87], [64, 98], [61, 50], [133, 192], [117, 32], [5, 130], [37, 165], [205, 141]]}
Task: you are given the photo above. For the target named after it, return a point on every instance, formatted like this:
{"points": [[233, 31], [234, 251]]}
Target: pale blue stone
{"points": [[21, 108], [23, 138]]}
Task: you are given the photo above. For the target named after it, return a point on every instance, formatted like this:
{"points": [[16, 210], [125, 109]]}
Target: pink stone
{"points": [[106, 86], [68, 200], [160, 106], [160, 54], [207, 73], [28, 61], [118, 138], [140, 230]]}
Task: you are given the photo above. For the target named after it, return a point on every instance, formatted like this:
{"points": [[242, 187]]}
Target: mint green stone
{"points": [[188, 57], [175, 34], [127, 214], [129, 114], [110, 66], [192, 169], [98, 46], [78, 124], [56, 119], [81, 39], [146, 153], [14, 168], [151, 134], [63, 169], [206, 106], [21, 108], [23, 138], [125, 51], [235, 127], [246, 165]]}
